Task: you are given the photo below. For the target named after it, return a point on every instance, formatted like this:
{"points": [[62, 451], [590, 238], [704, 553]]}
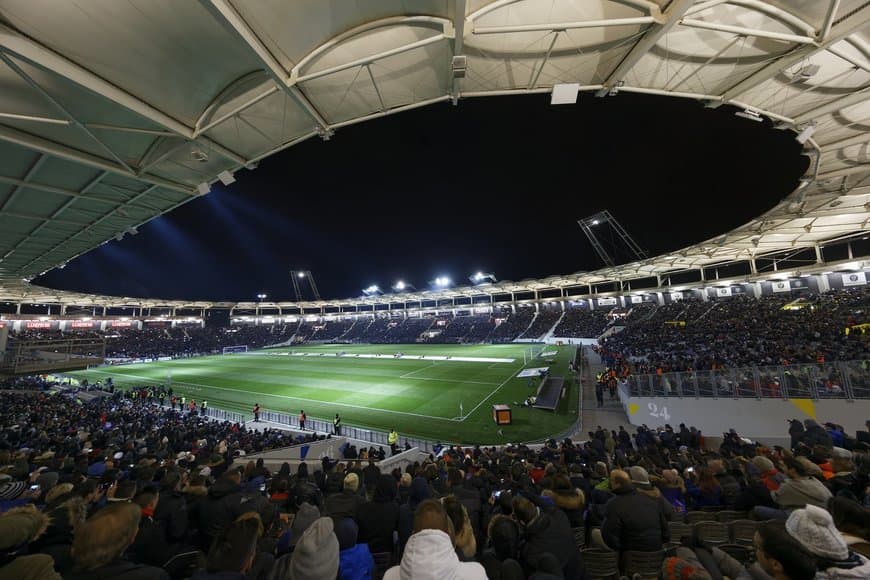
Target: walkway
{"points": [[611, 416]]}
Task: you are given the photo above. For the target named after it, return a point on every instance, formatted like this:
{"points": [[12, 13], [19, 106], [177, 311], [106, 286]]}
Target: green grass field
{"points": [[418, 397]]}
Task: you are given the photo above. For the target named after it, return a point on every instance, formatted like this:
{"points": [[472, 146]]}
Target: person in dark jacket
{"points": [[568, 499], [632, 521], [355, 558], [546, 530], [222, 505], [379, 518], [232, 553], [815, 434], [304, 491], [100, 543], [150, 546], [796, 432], [171, 510], [420, 491], [345, 504]]}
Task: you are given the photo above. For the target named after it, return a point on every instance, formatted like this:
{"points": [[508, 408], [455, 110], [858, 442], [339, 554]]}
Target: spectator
{"points": [[379, 519], [546, 530], [18, 528], [430, 550], [853, 521], [233, 552], [347, 503], [799, 490], [780, 555], [100, 543], [632, 521], [814, 528], [355, 559], [316, 556]]}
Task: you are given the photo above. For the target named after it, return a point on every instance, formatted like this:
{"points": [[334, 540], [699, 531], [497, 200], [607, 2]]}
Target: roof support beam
{"points": [[18, 187], [835, 105], [274, 68], [89, 227], [13, 43], [63, 110], [654, 33], [773, 68], [58, 190], [63, 152], [550, 27], [743, 31]]}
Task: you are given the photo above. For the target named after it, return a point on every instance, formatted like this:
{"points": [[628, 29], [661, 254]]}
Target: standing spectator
{"points": [[316, 556], [18, 528], [547, 530], [233, 553], [379, 518], [355, 559], [256, 412], [336, 424], [631, 521], [302, 418], [347, 503]]}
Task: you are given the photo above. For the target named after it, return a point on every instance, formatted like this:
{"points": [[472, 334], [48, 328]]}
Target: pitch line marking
{"points": [[485, 399], [174, 382]]}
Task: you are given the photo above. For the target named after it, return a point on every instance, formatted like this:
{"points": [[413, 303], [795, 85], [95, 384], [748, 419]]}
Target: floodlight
{"points": [[301, 274], [481, 277], [805, 133], [564, 94], [594, 222], [750, 114], [226, 177], [371, 290], [203, 188], [442, 281], [261, 296]]}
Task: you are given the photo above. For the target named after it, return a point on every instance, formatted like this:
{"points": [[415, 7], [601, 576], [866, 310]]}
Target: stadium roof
{"points": [[113, 112]]}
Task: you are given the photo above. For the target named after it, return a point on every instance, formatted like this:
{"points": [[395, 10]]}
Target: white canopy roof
{"points": [[113, 112]]}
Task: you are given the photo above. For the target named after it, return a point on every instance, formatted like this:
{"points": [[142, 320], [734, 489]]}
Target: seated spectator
{"points": [[546, 530], [346, 503], [799, 490], [19, 527], [853, 521], [762, 478], [780, 555], [814, 528], [232, 553], [503, 546], [379, 518], [706, 491], [100, 544], [315, 556], [355, 559], [568, 499], [430, 551], [463, 535], [673, 489]]}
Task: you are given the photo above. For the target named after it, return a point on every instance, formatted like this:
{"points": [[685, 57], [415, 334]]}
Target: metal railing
{"points": [[847, 380], [374, 437]]}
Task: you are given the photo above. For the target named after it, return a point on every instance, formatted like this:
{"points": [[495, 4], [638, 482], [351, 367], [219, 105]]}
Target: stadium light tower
{"points": [[483, 278], [441, 282], [299, 277], [261, 297], [373, 290], [605, 223], [402, 286]]}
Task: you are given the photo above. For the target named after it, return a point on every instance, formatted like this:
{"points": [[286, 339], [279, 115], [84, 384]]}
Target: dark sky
{"points": [[492, 184]]}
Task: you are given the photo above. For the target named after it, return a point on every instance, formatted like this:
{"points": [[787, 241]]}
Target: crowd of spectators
{"points": [[120, 488], [543, 322], [744, 331], [582, 323]]}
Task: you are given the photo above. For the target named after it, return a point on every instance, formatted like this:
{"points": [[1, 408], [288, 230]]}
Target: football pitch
{"points": [[441, 392]]}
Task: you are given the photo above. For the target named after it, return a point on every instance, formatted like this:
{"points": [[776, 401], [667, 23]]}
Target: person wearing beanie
{"points": [[305, 516], [640, 480], [429, 552], [316, 553], [675, 568], [781, 556], [18, 528], [814, 528], [355, 559]]}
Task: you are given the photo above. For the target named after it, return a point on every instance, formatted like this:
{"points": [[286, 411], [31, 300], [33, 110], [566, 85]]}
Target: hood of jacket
{"points": [[429, 555], [566, 499], [222, 488]]}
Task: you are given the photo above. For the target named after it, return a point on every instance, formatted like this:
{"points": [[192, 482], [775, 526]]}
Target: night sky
{"points": [[493, 184]]}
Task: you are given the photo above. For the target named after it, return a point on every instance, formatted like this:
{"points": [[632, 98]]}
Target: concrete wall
{"points": [[757, 419]]}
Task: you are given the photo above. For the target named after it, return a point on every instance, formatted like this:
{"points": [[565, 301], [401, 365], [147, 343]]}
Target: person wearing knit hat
{"points": [[675, 568], [19, 527], [639, 476], [814, 528], [316, 553], [306, 515]]}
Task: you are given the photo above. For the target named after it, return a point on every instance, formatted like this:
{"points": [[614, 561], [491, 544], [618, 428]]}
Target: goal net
{"points": [[235, 349]]}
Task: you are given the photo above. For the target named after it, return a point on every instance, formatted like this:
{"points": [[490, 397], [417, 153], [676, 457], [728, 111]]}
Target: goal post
{"points": [[242, 348]]}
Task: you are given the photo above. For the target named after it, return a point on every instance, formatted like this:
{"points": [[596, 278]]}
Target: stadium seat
{"points": [[712, 533], [731, 515], [600, 563], [579, 536], [643, 564], [699, 516], [678, 531], [743, 531]]}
